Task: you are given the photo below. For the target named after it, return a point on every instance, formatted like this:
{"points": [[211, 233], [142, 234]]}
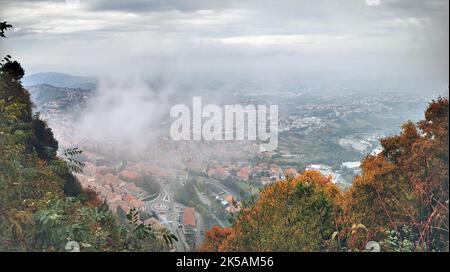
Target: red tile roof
{"points": [[229, 199], [128, 198], [129, 175], [189, 217], [291, 172], [137, 204], [132, 188]]}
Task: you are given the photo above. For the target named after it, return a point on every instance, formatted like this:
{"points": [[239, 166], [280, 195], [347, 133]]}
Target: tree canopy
{"points": [[400, 200]]}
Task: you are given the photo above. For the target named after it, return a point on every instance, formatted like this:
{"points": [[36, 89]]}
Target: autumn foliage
{"points": [[215, 239], [294, 215], [408, 183], [401, 195]]}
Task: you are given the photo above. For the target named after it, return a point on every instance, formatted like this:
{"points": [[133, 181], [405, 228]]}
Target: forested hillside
{"points": [[42, 205], [398, 203]]}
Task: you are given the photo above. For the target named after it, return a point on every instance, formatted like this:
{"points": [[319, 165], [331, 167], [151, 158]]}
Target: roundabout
{"points": [[159, 207], [160, 204]]}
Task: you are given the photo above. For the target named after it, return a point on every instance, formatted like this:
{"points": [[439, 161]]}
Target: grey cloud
{"points": [[301, 8], [308, 8], [157, 5], [344, 35], [417, 7]]}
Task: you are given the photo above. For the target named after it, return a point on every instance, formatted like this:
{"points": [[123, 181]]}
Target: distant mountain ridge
{"points": [[43, 93], [60, 80]]}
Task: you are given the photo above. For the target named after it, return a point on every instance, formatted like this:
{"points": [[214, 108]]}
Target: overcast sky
{"points": [[382, 39]]}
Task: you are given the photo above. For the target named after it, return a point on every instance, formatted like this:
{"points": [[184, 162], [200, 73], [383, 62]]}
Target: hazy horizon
{"points": [[388, 42]]}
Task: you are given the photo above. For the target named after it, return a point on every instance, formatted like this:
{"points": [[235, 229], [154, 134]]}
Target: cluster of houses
{"points": [[231, 205], [117, 190], [354, 167], [352, 105], [264, 173], [305, 124]]}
